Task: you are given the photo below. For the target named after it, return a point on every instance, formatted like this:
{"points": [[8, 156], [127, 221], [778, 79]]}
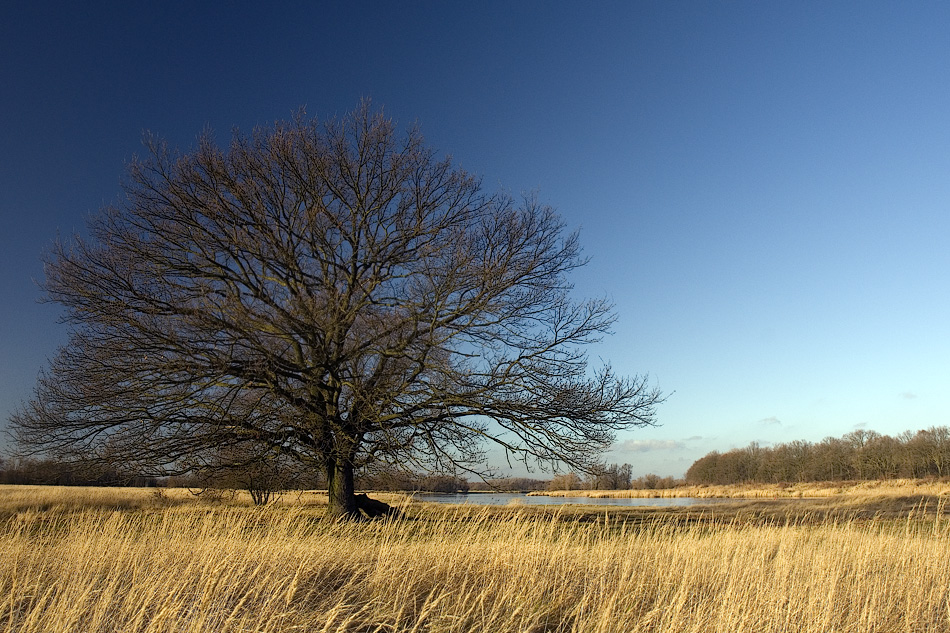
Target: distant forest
{"points": [[54, 472], [286, 477], [858, 455]]}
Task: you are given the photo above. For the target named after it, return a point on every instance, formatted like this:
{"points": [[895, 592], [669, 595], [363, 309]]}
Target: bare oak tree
{"points": [[336, 294]]}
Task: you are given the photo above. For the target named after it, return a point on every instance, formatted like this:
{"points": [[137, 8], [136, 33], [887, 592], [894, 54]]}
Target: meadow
{"points": [[97, 560]]}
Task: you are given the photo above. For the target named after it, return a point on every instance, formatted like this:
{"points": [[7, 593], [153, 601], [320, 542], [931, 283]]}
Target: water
{"points": [[516, 498]]}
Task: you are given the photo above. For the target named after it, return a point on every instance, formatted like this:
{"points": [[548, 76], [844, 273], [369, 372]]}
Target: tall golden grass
{"points": [[161, 564]]}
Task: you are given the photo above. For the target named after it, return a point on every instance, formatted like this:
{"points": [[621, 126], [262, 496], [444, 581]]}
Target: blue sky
{"points": [[762, 188]]}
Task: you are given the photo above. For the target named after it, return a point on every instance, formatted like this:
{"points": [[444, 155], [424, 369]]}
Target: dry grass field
{"points": [[96, 560]]}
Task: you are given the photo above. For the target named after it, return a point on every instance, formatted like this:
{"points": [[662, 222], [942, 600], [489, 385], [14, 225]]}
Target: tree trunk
{"points": [[342, 496]]}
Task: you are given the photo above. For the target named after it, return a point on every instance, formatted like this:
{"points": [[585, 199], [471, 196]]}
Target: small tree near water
{"points": [[333, 293]]}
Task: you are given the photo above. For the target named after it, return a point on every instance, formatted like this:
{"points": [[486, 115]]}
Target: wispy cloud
{"points": [[769, 421], [645, 446], [908, 395]]}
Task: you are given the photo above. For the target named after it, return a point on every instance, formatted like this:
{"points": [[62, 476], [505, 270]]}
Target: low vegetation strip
{"points": [[155, 565], [900, 487]]}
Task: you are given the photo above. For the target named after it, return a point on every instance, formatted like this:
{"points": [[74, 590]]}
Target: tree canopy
{"points": [[329, 292]]}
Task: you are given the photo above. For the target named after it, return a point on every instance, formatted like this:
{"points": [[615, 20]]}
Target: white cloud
{"points": [[908, 395], [770, 421], [646, 446]]}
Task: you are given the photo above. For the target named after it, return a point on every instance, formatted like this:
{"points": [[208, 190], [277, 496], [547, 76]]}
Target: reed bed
{"points": [[887, 487], [232, 568]]}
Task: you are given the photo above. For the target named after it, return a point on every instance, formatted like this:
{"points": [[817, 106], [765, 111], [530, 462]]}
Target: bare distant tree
{"points": [[265, 474], [931, 448], [335, 294], [611, 477], [565, 481]]}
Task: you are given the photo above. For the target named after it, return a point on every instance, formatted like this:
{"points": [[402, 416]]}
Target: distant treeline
{"points": [[612, 477], [32, 471], [859, 455], [405, 481], [279, 477], [855, 456], [56, 473]]}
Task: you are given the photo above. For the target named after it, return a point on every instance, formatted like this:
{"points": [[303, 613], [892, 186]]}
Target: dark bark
{"points": [[344, 503], [341, 494]]}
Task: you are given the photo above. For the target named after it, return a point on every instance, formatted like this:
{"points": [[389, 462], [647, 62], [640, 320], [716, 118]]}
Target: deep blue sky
{"points": [[762, 187]]}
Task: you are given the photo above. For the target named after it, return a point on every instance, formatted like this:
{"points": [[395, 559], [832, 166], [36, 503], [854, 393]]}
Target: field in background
{"points": [[884, 487], [96, 560]]}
